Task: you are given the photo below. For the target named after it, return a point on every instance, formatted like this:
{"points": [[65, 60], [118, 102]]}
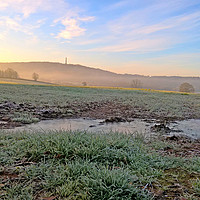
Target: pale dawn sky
{"points": [[149, 37]]}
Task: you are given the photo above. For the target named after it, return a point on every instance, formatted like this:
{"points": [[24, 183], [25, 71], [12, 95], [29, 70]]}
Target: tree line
{"points": [[9, 73]]}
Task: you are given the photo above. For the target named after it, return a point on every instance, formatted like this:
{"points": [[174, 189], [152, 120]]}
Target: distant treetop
{"points": [[35, 76], [186, 87]]}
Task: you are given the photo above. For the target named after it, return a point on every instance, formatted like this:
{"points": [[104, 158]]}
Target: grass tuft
{"points": [[81, 165]]}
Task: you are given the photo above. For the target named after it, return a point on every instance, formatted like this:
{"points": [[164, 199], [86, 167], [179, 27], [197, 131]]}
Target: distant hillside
{"points": [[77, 74]]}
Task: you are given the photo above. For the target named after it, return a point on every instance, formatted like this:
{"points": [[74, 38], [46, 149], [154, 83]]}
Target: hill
{"points": [[70, 74]]}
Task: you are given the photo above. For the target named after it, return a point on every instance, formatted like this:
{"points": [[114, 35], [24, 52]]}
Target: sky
{"points": [[148, 37]]}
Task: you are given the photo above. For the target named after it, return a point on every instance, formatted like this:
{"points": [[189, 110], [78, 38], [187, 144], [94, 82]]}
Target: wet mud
{"points": [[110, 111]]}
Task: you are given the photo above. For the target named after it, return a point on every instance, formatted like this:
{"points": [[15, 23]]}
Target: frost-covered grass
{"points": [[196, 185], [169, 104], [24, 118], [81, 165]]}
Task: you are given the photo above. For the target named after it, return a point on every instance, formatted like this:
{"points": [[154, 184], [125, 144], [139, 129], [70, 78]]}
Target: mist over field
{"points": [[75, 75]]}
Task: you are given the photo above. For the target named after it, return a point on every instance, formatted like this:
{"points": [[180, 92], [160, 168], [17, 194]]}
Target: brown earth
{"points": [[110, 111], [175, 184], [184, 147]]}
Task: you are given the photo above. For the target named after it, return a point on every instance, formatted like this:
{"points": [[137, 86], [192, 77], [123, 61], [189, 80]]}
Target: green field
{"points": [[82, 165], [152, 103]]}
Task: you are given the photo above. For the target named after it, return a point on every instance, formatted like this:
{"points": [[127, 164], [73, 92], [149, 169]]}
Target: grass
{"points": [[81, 165], [196, 185], [21, 81], [25, 118], [174, 105]]}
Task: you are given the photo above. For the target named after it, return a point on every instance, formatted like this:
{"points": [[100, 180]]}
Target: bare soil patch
{"points": [[176, 184], [110, 111], [182, 147]]}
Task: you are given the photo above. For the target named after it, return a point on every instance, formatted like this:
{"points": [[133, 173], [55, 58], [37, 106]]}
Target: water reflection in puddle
{"points": [[88, 125], [190, 128]]}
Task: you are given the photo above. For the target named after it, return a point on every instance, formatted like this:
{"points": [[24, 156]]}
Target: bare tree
{"points": [[186, 87], [136, 83], [35, 76]]}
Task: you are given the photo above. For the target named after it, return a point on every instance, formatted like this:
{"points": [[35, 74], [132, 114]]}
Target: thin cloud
{"points": [[143, 45], [16, 24], [87, 19], [135, 32], [119, 30], [72, 26], [175, 24], [28, 7], [10, 23], [69, 17], [72, 29]]}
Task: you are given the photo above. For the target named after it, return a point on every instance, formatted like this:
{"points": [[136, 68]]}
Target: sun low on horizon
{"points": [[154, 37]]}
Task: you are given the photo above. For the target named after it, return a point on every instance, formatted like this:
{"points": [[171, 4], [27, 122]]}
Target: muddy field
{"points": [[13, 114], [22, 104]]}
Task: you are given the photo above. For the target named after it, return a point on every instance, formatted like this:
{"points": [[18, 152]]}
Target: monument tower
{"points": [[66, 61]]}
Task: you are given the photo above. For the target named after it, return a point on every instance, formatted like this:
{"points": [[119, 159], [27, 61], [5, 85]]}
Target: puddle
{"points": [[190, 128], [88, 125]]}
